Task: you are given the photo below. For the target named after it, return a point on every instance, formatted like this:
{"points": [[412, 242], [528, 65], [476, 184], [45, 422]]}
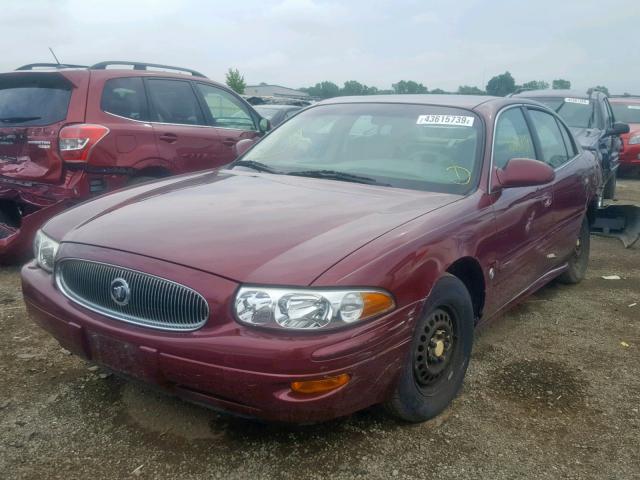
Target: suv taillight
{"points": [[76, 141]]}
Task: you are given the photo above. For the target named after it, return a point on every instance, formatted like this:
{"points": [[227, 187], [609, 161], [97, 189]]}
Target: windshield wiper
{"points": [[18, 119], [335, 175], [258, 166]]}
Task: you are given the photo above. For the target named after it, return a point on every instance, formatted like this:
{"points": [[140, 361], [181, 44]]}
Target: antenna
{"points": [[54, 55]]}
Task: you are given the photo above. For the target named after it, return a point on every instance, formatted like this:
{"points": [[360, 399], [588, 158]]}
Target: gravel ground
{"points": [[553, 391]]}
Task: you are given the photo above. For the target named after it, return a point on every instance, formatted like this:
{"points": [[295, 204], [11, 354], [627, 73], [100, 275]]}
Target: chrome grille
{"points": [[144, 299]]}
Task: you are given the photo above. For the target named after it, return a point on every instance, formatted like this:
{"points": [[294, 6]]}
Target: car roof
{"points": [[462, 101], [275, 106], [625, 99], [551, 93]]}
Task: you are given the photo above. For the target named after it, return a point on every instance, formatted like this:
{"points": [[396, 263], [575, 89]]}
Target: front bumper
{"points": [[228, 366], [630, 156]]}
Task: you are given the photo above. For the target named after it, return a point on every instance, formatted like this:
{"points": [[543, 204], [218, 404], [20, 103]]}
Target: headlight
{"points": [[308, 309], [634, 140], [45, 250]]}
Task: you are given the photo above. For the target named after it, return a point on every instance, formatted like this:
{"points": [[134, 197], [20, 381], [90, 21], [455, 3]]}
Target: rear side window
{"points": [[226, 110], [125, 97], [33, 99], [512, 138], [174, 102], [568, 142], [552, 145]]}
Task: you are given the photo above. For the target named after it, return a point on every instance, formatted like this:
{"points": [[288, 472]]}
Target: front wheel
{"points": [[579, 260], [440, 351]]}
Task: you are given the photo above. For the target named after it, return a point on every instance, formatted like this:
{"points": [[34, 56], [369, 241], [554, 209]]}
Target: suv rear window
{"points": [[125, 97], [33, 99]]}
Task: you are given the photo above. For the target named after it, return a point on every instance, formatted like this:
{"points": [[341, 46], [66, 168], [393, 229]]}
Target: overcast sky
{"points": [[296, 43]]}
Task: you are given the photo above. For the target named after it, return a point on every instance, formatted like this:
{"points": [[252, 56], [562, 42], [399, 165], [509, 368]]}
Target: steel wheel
{"points": [[435, 348]]}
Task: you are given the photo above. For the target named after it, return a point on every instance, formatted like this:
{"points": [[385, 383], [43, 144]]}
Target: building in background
{"points": [[264, 90]]}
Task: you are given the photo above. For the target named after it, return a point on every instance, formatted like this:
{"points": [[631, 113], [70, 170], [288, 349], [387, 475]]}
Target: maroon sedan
{"points": [[344, 261]]}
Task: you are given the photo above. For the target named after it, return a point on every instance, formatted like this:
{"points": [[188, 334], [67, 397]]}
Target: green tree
{"points": [[409, 86], [468, 90], [501, 85], [561, 84], [351, 87], [235, 81], [437, 91], [370, 90], [324, 89], [599, 88], [535, 85]]}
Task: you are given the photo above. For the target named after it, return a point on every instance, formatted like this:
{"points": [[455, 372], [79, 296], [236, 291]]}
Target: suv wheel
{"points": [[434, 370], [579, 260]]}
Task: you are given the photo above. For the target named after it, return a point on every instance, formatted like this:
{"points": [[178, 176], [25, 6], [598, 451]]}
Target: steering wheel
{"points": [[463, 175]]}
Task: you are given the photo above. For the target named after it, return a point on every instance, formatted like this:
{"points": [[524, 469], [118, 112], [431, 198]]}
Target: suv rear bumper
{"points": [[39, 202]]}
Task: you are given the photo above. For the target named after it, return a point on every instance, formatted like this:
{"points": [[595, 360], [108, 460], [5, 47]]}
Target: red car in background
{"points": [[343, 261], [68, 133], [627, 109]]}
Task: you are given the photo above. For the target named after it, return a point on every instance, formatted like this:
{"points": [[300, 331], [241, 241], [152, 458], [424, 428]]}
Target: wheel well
{"points": [[469, 271], [592, 211]]}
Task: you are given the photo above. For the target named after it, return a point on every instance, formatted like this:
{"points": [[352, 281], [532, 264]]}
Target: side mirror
{"points": [[524, 172], [243, 145], [618, 128], [264, 125]]}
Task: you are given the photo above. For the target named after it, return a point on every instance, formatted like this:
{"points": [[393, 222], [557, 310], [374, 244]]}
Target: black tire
{"points": [[579, 260], [609, 191], [426, 387]]}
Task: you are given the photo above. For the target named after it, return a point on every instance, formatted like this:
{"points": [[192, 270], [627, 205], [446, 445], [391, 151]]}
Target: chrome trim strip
{"points": [[150, 123], [166, 321]]}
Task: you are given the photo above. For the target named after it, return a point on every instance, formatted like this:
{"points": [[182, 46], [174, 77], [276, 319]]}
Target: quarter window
{"points": [[512, 138], [174, 102], [226, 110], [568, 142], [552, 145], [125, 97]]}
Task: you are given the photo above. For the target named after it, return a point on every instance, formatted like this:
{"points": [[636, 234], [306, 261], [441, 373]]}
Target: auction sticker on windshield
{"points": [[455, 120], [582, 101]]}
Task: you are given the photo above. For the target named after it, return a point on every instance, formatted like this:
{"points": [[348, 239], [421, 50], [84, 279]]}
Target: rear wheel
{"points": [[434, 371], [579, 260]]}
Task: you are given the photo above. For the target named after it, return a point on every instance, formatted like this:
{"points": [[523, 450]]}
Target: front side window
{"points": [[226, 110], [174, 102], [552, 145], [125, 97], [417, 147], [512, 138], [626, 112]]}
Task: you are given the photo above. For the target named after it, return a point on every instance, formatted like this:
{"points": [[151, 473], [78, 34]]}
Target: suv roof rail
{"points": [[143, 66], [33, 66]]}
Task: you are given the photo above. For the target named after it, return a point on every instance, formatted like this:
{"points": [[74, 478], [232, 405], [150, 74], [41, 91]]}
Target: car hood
{"points": [[586, 137], [248, 227]]}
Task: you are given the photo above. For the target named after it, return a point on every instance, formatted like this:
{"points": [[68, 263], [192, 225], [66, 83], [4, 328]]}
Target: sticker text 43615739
{"points": [[451, 120]]}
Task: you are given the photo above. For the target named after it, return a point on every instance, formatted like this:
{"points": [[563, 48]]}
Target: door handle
{"points": [[168, 137], [229, 142]]}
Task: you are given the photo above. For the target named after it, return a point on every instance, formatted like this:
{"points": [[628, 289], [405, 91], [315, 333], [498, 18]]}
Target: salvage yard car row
{"points": [[344, 260]]}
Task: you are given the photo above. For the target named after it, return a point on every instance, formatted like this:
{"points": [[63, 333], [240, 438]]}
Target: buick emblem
{"points": [[120, 292]]}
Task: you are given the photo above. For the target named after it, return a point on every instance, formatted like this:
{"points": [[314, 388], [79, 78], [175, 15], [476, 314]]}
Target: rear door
{"points": [[34, 106], [569, 187], [231, 117], [182, 134]]}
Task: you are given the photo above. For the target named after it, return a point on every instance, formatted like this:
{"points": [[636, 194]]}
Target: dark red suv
{"points": [[69, 132]]}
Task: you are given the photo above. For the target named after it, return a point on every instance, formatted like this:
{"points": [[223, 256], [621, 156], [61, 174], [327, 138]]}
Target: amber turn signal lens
{"points": [[320, 386], [375, 303]]}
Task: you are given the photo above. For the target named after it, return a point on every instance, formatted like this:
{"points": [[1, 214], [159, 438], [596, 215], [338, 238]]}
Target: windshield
{"points": [[406, 146], [626, 112], [38, 99], [576, 112]]}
